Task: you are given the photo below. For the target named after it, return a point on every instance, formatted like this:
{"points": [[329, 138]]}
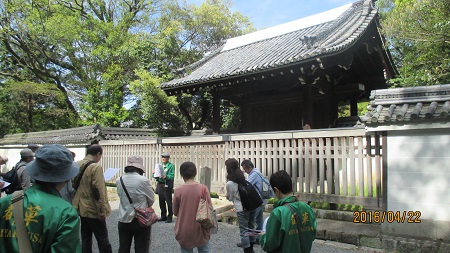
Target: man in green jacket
{"points": [[51, 222], [165, 187], [282, 233]]}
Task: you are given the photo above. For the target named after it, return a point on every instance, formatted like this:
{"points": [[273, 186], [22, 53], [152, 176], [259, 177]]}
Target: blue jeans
{"points": [[246, 219], [259, 219], [201, 249]]}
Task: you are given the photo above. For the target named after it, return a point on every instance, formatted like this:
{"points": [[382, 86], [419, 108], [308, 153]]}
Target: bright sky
{"points": [[267, 13]]}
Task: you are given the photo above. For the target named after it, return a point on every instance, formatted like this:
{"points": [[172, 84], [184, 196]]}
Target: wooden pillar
{"points": [[217, 121], [353, 106], [308, 105], [246, 120], [334, 104]]}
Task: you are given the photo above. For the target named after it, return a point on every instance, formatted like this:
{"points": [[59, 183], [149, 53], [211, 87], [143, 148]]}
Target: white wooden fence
{"points": [[332, 165]]}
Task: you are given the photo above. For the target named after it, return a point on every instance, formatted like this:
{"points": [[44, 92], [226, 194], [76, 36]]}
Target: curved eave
{"points": [[331, 44]]}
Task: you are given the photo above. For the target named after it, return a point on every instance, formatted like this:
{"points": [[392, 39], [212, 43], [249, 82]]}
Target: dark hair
{"points": [[133, 169], [94, 149], [48, 185], [188, 170], [282, 181], [247, 163], [233, 172]]}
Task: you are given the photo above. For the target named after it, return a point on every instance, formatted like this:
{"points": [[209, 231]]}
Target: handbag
{"points": [[145, 216], [205, 211]]}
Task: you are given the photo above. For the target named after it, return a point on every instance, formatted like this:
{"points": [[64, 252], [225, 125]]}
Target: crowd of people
{"points": [[66, 203]]}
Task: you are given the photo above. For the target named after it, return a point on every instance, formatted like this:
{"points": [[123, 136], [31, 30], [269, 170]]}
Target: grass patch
{"points": [[111, 184]]}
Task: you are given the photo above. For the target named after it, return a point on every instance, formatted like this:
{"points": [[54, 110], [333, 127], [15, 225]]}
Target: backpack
{"points": [[250, 198], [12, 178], [267, 191]]}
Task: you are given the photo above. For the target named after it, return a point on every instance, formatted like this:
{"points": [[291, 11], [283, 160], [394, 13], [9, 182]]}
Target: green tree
{"points": [[156, 109], [27, 107], [85, 48], [418, 34], [187, 33], [90, 50]]}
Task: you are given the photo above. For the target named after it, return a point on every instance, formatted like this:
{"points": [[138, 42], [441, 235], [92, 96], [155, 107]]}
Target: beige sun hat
{"points": [[136, 161]]}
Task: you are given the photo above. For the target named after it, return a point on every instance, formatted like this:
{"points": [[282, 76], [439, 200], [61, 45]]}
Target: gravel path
{"points": [[163, 239]]}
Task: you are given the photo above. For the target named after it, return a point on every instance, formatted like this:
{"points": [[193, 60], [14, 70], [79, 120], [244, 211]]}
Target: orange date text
{"points": [[386, 216]]}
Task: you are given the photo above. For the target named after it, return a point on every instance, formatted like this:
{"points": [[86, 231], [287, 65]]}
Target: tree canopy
{"points": [[94, 54], [418, 34], [66, 63]]}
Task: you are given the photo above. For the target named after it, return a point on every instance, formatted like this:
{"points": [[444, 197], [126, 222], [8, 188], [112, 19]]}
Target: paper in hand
{"points": [[5, 184], [159, 170], [265, 224], [252, 232], [110, 172]]}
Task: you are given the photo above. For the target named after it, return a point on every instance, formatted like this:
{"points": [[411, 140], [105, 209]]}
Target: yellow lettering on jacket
{"points": [[303, 229], [5, 233], [307, 229], [35, 237], [305, 218], [293, 220], [31, 213], [293, 232], [8, 213]]}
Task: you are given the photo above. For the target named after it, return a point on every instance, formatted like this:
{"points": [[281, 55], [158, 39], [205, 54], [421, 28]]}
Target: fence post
{"points": [[205, 177]]}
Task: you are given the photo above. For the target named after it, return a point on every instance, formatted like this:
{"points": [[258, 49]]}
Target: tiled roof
{"points": [[409, 105], [79, 135], [301, 45], [117, 133]]}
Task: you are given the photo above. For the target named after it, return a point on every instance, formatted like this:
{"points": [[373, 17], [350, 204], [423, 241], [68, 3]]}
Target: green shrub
{"points": [[111, 184], [272, 200], [320, 205]]}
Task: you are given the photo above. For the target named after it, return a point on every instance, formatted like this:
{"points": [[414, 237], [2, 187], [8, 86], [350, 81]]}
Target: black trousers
{"points": [[165, 197], [141, 235], [97, 227]]}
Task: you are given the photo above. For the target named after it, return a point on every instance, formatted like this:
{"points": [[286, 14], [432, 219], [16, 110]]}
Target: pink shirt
{"points": [[188, 232]]}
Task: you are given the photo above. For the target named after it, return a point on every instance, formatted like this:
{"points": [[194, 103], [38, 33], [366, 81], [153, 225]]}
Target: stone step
{"points": [[366, 217], [228, 216], [359, 234]]}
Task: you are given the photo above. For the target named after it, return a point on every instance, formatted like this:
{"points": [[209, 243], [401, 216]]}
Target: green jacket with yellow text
{"points": [[281, 229], [53, 224]]}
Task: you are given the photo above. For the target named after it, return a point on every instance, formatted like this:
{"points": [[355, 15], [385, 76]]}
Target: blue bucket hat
{"points": [[52, 163]]}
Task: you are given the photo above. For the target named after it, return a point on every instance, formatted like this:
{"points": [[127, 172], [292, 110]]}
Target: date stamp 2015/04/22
{"points": [[386, 216]]}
